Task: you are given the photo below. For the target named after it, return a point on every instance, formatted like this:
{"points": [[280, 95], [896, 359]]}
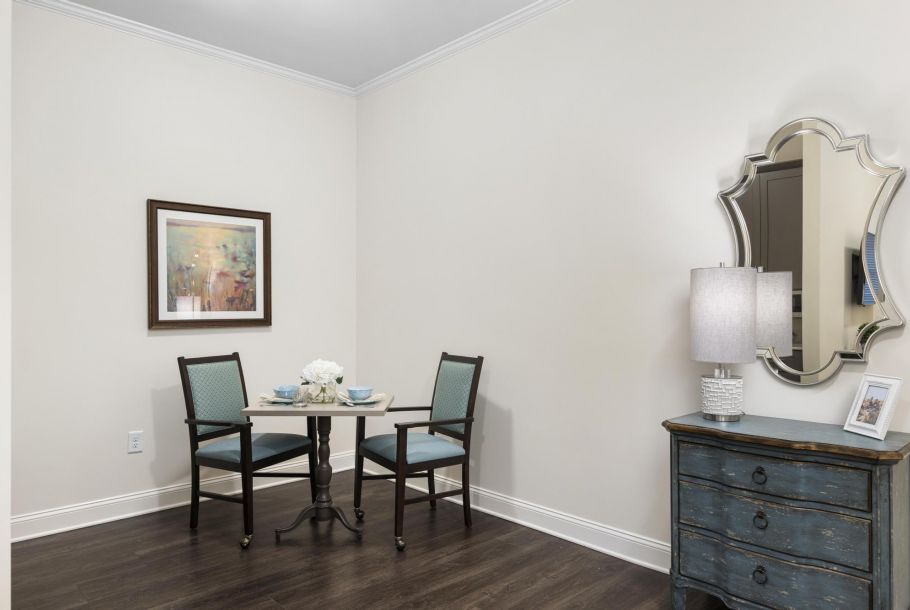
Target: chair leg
{"points": [[358, 467], [246, 480], [431, 485], [313, 464], [466, 494], [194, 497], [400, 480], [358, 486]]}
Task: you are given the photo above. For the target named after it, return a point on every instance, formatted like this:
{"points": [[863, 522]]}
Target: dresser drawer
{"points": [[771, 582], [811, 481], [805, 532]]}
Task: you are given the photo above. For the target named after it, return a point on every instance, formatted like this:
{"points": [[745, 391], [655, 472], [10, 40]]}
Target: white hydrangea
{"points": [[322, 371]]}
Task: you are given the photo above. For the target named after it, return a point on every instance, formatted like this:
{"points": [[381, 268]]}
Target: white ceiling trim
{"points": [[71, 9], [458, 45], [78, 11]]}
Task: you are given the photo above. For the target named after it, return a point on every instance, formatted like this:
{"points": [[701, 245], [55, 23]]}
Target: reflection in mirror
{"points": [[813, 204]]}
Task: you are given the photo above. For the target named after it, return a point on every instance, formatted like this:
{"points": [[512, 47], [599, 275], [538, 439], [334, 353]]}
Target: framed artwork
{"points": [[208, 267], [873, 406]]}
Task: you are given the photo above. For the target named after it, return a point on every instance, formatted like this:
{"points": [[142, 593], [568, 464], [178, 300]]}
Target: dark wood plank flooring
{"points": [[155, 561]]}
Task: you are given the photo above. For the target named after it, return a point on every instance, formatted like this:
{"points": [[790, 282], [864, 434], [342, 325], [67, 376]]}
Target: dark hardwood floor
{"points": [[154, 561]]}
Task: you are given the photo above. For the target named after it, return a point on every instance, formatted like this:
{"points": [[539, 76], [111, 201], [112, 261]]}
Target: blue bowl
{"points": [[360, 392], [288, 391]]}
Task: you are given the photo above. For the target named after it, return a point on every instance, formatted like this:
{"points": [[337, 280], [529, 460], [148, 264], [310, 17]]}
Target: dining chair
{"points": [[417, 454], [215, 393]]}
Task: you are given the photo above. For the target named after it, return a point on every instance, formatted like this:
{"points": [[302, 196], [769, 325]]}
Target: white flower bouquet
{"points": [[323, 371], [321, 376]]}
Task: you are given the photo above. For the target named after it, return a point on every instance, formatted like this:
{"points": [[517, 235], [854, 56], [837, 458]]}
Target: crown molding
{"points": [[491, 30], [71, 9]]}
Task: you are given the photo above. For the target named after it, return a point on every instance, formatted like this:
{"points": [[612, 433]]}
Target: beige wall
{"points": [[103, 121], [837, 193], [540, 199], [5, 299], [813, 357], [846, 185]]}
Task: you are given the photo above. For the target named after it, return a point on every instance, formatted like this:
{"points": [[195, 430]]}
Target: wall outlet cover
{"points": [[134, 441]]}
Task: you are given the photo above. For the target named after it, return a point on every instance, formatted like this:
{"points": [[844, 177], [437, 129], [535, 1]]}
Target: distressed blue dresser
{"points": [[778, 513]]}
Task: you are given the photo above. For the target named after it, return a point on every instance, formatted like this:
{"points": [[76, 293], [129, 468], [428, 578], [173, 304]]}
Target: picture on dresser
{"points": [[207, 266], [873, 406]]}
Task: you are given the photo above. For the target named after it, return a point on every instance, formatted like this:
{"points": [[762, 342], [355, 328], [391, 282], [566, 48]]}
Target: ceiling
{"points": [[348, 42]]}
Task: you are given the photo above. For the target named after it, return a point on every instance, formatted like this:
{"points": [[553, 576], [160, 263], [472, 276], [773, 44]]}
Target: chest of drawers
{"points": [[778, 513]]}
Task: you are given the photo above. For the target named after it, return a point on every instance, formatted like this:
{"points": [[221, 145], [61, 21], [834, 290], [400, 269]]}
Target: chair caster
{"points": [[277, 536], [245, 541], [359, 534], [358, 512], [399, 543]]}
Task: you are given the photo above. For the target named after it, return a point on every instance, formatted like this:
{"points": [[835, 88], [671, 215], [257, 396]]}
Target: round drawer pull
{"points": [[760, 520], [759, 477], [759, 575]]}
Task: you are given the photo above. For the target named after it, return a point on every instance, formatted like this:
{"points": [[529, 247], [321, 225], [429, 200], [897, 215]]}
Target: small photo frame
{"points": [[873, 406]]}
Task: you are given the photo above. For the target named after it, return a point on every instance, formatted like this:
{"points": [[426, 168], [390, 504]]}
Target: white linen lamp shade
{"points": [[774, 312], [722, 314]]}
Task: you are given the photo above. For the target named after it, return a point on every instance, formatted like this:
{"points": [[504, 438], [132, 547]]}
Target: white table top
{"points": [[321, 410]]}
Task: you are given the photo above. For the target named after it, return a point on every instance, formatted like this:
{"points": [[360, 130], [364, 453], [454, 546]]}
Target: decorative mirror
{"points": [[814, 204]]}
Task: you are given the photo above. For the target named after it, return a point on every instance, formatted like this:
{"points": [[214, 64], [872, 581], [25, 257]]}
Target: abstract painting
{"points": [[208, 266]]}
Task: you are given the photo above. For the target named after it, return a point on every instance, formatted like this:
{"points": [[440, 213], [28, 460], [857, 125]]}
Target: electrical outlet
{"points": [[134, 439]]}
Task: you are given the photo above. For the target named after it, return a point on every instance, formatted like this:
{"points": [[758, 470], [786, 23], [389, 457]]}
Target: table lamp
{"points": [[722, 322], [774, 312]]}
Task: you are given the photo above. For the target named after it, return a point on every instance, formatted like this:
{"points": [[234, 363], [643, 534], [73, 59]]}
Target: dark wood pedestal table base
{"points": [[323, 509]]}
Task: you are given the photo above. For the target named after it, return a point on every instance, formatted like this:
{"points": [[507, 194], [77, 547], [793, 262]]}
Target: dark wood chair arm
{"points": [[409, 409], [213, 422], [435, 422]]}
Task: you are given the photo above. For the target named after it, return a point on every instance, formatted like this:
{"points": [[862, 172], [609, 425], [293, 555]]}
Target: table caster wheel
{"points": [[358, 512], [245, 541], [399, 543]]}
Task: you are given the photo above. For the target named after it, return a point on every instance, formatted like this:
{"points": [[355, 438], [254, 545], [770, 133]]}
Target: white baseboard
{"points": [[85, 514], [630, 547], [627, 546]]}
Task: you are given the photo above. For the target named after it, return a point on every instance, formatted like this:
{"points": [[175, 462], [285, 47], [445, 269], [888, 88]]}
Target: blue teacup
{"points": [[288, 391], [360, 392]]}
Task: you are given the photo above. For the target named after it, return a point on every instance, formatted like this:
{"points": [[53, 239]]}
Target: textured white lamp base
{"points": [[722, 397]]}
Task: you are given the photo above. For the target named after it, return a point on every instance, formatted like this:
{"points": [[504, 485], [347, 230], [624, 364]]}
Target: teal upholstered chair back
{"points": [[456, 390], [214, 389]]}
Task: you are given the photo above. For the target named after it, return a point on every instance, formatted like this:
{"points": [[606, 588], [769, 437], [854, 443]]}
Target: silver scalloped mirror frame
{"points": [[892, 178]]}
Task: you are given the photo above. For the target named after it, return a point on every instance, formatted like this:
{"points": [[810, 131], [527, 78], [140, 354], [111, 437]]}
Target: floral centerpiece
{"points": [[322, 377]]}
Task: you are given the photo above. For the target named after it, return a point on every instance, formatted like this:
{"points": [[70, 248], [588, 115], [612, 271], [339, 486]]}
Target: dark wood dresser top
{"points": [[799, 435]]}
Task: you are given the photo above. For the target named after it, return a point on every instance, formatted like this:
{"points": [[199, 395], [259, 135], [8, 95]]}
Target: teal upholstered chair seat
{"points": [[421, 447], [264, 445]]}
